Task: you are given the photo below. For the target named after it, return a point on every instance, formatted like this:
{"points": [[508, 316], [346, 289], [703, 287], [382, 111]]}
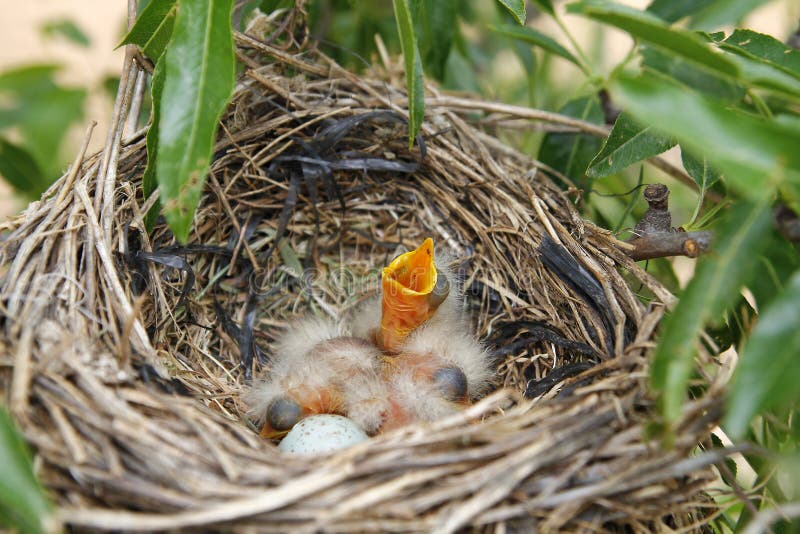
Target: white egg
{"points": [[321, 433]]}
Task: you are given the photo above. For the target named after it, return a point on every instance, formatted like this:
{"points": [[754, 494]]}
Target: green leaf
{"points": [[413, 65], [691, 75], [715, 285], [700, 171], [651, 29], [627, 144], [674, 10], [755, 155], [536, 38], [765, 61], [19, 169], [688, 45], [460, 74], [149, 178], [570, 153], [545, 6], [30, 78], [517, 8], [759, 73], [268, 6], [528, 60], [42, 111], [23, 506], [769, 369], [722, 12], [289, 258], [438, 20], [45, 126], [765, 48], [199, 77], [110, 85], [67, 29], [777, 263], [153, 28]]}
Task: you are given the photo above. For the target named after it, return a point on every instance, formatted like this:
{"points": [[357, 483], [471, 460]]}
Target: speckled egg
{"points": [[321, 433]]}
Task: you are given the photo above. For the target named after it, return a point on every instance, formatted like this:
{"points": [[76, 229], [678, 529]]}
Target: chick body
{"points": [[342, 369], [444, 341], [323, 371]]}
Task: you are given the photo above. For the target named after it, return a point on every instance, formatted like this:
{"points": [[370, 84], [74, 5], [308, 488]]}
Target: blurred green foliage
{"points": [[66, 29], [23, 506], [38, 111]]}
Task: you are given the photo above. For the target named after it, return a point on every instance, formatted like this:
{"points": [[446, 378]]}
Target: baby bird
{"points": [[433, 365], [316, 369], [407, 355]]}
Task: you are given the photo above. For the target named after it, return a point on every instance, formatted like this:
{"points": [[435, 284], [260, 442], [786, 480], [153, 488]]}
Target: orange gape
{"points": [[407, 285]]}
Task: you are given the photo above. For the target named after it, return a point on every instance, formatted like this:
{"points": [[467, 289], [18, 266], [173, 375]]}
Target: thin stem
{"points": [[624, 63], [759, 103], [631, 202], [702, 196], [583, 61]]}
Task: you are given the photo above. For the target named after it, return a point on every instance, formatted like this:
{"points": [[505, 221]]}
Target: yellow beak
{"points": [[408, 295]]}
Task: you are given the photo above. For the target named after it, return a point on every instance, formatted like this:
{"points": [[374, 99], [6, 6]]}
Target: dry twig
{"points": [[654, 236]]}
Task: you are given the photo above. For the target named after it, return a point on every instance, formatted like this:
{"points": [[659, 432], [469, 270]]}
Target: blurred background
{"points": [[59, 70]]}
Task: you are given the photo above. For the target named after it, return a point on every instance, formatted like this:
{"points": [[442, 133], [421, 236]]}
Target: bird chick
{"points": [[318, 370], [433, 364], [407, 355]]}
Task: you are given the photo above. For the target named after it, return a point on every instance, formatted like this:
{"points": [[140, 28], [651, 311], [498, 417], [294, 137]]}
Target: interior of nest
{"points": [[313, 189]]}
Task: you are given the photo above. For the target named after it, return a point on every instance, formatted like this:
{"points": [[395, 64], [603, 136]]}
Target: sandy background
{"points": [[104, 20]]}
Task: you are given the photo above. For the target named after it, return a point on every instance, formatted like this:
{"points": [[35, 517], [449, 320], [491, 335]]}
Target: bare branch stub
{"points": [[794, 39], [657, 219], [654, 236], [610, 110], [663, 244], [787, 222]]}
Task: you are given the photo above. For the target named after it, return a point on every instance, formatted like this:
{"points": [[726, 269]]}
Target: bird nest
{"points": [[127, 354]]}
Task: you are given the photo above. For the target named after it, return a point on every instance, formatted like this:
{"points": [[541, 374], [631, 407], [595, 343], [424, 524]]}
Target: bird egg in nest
{"points": [[322, 433]]}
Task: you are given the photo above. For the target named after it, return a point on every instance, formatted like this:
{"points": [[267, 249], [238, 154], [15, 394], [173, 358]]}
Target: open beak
{"points": [[412, 291]]}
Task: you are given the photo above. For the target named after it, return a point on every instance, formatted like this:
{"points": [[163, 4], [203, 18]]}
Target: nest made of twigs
{"points": [[127, 353]]}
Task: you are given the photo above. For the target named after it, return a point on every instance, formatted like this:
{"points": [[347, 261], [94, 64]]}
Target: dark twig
{"points": [[794, 39], [654, 236], [657, 218], [610, 110], [663, 244], [534, 387], [559, 260], [787, 222]]}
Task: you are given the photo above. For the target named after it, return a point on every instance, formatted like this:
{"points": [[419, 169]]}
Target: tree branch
{"points": [[654, 236], [663, 244], [787, 222]]}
